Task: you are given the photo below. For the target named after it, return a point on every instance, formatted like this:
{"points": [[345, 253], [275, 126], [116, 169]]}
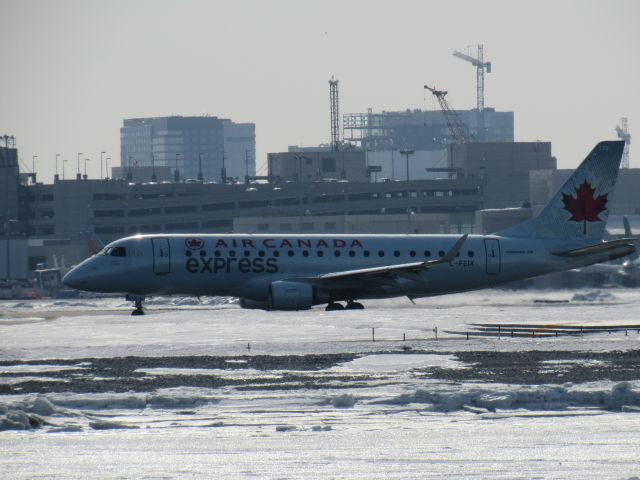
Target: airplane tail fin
{"points": [[580, 209], [627, 228], [94, 244]]}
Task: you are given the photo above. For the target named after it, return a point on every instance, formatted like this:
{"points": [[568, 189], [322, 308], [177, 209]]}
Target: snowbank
{"points": [[524, 397]]}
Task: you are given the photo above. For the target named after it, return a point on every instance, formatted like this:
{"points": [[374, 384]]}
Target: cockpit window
{"points": [[118, 252], [113, 252]]}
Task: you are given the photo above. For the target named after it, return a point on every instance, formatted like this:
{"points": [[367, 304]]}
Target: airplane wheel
{"points": [[333, 306], [354, 306], [138, 311]]}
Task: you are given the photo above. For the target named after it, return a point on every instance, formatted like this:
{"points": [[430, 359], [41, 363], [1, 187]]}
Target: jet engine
{"points": [[287, 295]]}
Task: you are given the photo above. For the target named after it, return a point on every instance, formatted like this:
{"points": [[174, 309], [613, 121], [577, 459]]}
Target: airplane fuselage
{"points": [[246, 265]]}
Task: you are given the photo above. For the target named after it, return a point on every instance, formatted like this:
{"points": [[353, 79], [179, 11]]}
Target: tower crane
{"points": [[622, 129], [481, 66], [458, 132]]}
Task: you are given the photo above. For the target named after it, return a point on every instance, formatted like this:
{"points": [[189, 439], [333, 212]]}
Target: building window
{"points": [[328, 165]]}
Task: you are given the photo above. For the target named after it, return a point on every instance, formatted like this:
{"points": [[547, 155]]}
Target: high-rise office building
{"points": [[190, 145]]}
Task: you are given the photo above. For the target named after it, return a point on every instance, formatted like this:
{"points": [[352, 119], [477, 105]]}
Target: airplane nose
{"points": [[75, 279]]}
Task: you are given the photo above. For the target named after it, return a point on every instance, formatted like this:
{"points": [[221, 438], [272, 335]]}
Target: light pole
{"points": [[410, 213], [406, 152], [246, 165], [107, 167], [78, 176], [33, 167], [101, 155], [63, 162], [56, 177], [85, 168]]}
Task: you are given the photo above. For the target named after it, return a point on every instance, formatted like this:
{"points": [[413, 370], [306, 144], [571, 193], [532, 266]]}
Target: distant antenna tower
{"points": [[622, 129], [335, 114], [481, 66]]}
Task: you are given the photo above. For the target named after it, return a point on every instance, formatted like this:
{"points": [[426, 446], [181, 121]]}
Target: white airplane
{"points": [[296, 272]]}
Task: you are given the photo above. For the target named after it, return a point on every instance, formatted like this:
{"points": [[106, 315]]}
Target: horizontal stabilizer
{"points": [[614, 249]]}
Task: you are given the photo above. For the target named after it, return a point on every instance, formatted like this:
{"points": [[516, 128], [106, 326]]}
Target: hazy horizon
{"points": [[73, 70]]}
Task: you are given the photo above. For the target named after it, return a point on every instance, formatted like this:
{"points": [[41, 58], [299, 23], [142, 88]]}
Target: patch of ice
{"points": [[594, 296], [394, 362]]}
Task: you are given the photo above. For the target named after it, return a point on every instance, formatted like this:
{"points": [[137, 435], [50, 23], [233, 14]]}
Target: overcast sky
{"points": [[72, 70]]}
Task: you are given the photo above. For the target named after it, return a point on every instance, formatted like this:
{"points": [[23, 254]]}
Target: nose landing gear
{"points": [[137, 299]]}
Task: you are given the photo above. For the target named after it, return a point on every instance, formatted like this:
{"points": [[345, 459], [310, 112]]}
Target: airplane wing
{"points": [[389, 271]]}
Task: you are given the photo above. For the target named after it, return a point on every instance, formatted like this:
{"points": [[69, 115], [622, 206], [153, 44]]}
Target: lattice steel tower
{"points": [[335, 114]]}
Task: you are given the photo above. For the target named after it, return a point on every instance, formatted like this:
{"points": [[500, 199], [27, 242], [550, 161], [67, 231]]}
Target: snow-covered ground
{"points": [[205, 389]]}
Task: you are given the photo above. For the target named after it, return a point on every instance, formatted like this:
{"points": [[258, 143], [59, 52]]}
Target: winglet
{"points": [[451, 254]]}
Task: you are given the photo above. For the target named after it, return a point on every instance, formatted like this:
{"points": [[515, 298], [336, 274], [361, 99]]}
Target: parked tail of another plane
{"points": [[579, 211]]}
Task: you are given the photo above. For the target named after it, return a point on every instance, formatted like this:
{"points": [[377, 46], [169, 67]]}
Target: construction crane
{"points": [[622, 129], [458, 132], [481, 66]]}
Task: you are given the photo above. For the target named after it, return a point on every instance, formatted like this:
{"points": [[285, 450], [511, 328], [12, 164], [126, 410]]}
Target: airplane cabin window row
{"points": [[320, 253]]}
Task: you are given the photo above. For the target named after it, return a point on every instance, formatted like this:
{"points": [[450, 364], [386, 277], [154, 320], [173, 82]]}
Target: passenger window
{"points": [[396, 253], [217, 253], [337, 253], [290, 253], [412, 253], [305, 253], [320, 253], [118, 252], [203, 253], [261, 253], [247, 253], [441, 253], [366, 253], [352, 253], [470, 253], [276, 253], [188, 253], [427, 253], [381, 253], [232, 253]]}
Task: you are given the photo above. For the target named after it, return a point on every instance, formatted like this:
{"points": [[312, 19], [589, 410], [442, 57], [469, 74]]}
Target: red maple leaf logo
{"points": [[585, 207]]}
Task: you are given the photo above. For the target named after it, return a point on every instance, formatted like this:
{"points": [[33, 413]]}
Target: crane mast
{"points": [[481, 66]]}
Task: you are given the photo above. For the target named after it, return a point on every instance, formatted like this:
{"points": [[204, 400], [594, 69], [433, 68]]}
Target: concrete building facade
{"points": [[502, 168], [321, 165]]}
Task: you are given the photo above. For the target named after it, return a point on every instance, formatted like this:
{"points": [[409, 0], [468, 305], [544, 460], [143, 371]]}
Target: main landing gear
{"points": [[138, 310], [351, 305]]}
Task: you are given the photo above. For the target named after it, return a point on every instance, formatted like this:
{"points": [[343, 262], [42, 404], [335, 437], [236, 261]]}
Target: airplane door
{"points": [[161, 256], [492, 249]]}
